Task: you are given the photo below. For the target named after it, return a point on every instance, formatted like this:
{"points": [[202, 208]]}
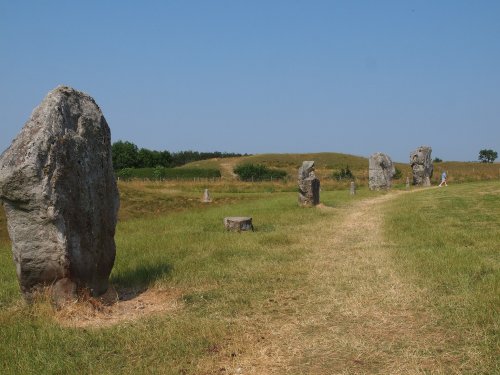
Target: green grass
{"points": [[223, 277], [4, 236], [447, 241]]}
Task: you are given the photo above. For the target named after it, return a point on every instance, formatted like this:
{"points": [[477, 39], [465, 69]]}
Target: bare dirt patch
{"points": [[227, 167], [126, 306]]}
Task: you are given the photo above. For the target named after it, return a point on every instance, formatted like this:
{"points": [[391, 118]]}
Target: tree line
{"points": [[128, 155]]}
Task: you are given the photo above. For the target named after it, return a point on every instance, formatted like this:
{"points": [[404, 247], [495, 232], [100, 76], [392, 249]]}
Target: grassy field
{"points": [[405, 282], [447, 242], [4, 237]]}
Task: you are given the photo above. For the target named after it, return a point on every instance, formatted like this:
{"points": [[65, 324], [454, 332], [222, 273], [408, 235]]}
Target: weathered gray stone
{"points": [[238, 223], [353, 188], [206, 197], [380, 171], [407, 183], [60, 196], [308, 185], [421, 165]]}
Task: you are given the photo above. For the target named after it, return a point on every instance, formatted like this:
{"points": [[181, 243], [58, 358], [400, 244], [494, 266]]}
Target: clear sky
{"points": [[264, 76]]}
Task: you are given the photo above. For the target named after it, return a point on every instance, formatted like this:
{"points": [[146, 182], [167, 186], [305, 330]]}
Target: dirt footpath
{"points": [[355, 315]]}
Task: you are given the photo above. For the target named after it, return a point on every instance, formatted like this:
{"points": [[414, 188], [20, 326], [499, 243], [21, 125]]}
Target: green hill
{"points": [[326, 162], [329, 162]]}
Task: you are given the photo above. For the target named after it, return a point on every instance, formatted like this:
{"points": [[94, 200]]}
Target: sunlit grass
{"points": [[444, 240], [223, 277], [447, 241]]}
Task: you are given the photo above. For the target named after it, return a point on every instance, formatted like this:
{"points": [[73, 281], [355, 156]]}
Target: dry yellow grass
{"points": [[127, 306], [354, 314]]}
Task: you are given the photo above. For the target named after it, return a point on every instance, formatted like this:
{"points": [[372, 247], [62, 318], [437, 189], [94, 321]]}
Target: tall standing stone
{"points": [[380, 172], [421, 165], [308, 185], [60, 196]]}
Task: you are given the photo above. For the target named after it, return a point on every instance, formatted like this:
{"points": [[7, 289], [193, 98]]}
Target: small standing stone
{"points": [[407, 183], [381, 170], [308, 185], [206, 197], [421, 165], [353, 188], [238, 223]]}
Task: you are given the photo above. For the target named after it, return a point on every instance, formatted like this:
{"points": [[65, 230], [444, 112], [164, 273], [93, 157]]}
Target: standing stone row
{"points": [[60, 196], [381, 169]]}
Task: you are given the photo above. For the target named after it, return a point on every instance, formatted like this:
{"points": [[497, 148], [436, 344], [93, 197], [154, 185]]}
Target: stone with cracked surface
{"points": [[308, 185], [60, 196], [380, 172], [421, 165]]}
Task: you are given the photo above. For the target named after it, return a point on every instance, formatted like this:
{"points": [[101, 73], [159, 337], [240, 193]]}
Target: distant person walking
{"points": [[443, 179]]}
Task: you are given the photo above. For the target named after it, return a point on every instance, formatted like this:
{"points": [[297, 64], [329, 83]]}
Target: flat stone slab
{"points": [[238, 223]]}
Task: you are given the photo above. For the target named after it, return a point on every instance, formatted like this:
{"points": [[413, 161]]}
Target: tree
{"points": [[487, 156], [125, 155]]}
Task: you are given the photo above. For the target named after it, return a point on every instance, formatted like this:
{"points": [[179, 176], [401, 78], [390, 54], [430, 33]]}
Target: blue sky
{"points": [[264, 76]]}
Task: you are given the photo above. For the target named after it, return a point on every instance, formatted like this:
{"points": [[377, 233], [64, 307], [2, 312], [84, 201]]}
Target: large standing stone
{"points": [[308, 185], [380, 171], [60, 196], [421, 165]]}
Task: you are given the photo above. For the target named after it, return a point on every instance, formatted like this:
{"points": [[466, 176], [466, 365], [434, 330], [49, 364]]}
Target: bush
{"points": [[125, 173], [258, 172], [343, 174], [397, 174]]}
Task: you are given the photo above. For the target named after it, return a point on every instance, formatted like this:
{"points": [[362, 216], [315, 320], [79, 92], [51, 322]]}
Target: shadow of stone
{"points": [[132, 283]]}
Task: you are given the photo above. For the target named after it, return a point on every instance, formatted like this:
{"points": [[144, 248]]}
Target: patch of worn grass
{"points": [[446, 241]]}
